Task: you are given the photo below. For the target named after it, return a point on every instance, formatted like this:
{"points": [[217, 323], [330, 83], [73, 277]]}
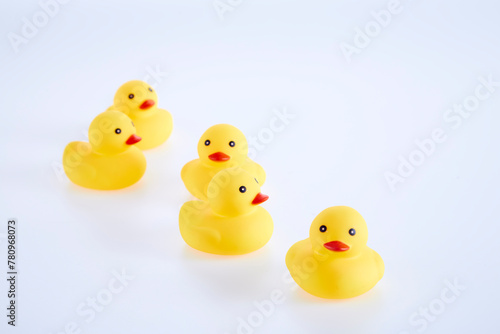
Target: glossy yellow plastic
{"points": [[231, 222], [334, 262], [222, 146], [108, 161], [138, 100]]}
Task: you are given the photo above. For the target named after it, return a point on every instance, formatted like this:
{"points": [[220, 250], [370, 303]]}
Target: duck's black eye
{"points": [[118, 131], [232, 143], [150, 89], [131, 96], [322, 228], [352, 231], [207, 142], [243, 189]]}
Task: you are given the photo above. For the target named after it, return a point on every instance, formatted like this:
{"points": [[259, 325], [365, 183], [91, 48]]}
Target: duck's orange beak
{"points": [[260, 198], [133, 139], [219, 156], [336, 246], [147, 104]]}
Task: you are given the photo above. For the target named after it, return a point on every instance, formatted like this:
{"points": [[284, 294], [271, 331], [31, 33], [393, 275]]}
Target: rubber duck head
{"points": [[135, 98], [223, 145], [234, 192], [339, 231], [112, 132]]}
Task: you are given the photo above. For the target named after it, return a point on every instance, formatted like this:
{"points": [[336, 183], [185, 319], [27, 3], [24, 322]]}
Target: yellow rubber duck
{"points": [[221, 146], [139, 101], [230, 223], [334, 262], [108, 161]]}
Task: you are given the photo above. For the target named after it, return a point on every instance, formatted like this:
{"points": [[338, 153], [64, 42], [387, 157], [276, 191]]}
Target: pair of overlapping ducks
{"points": [[226, 219], [112, 159]]}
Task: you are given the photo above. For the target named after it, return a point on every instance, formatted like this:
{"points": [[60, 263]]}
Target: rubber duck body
{"points": [[139, 101], [334, 262], [230, 222], [108, 161], [221, 147]]}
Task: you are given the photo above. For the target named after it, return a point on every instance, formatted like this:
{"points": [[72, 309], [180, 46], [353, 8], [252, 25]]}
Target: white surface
{"points": [[352, 121]]}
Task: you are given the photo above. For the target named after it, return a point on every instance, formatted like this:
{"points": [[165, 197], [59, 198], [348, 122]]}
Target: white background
{"points": [[352, 120]]}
